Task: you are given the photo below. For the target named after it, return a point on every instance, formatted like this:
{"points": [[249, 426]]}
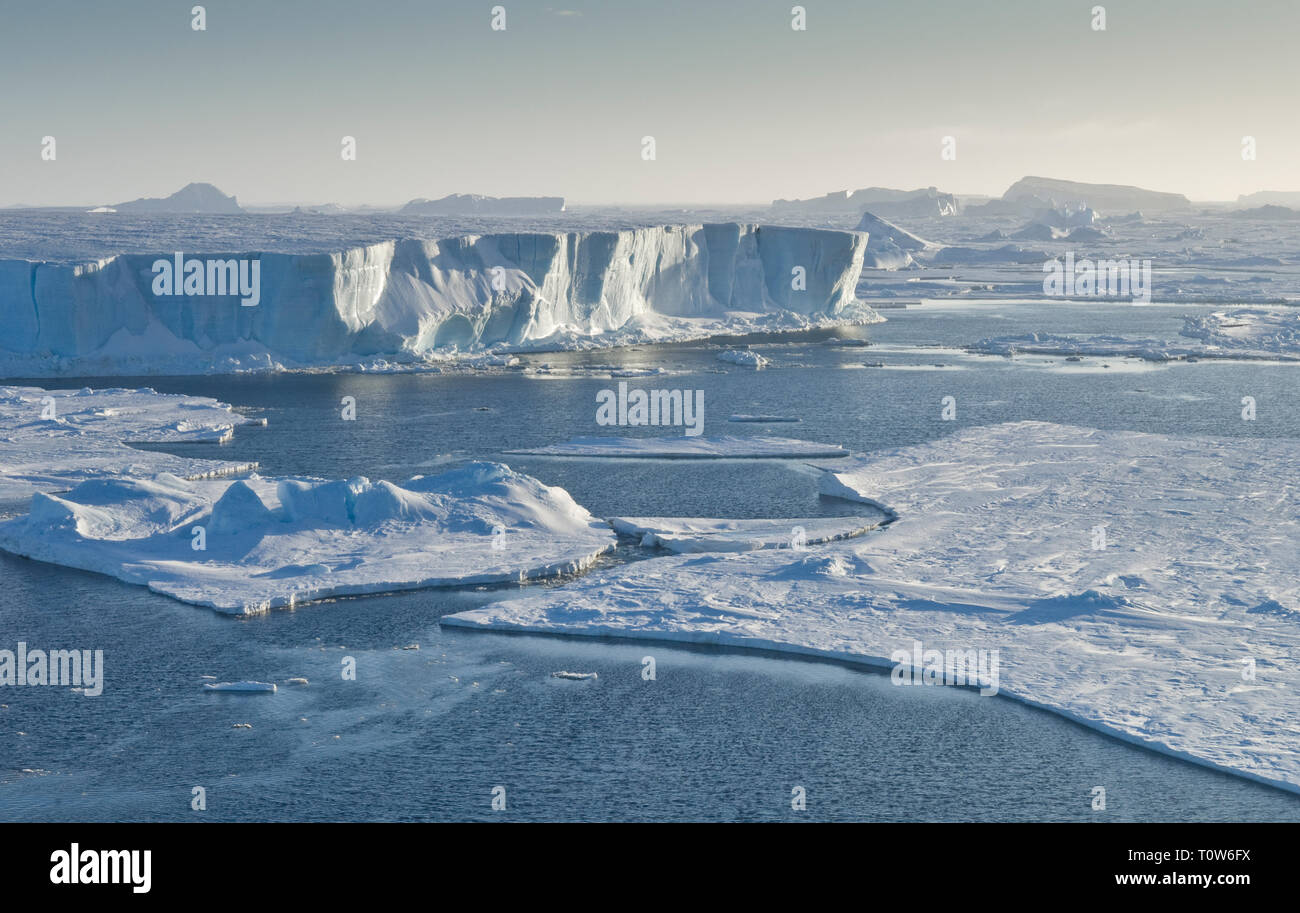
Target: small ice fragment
{"points": [[257, 687], [576, 676], [297, 681]]}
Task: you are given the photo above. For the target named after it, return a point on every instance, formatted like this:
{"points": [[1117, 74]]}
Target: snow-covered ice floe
{"points": [[241, 687], [690, 534], [267, 543], [1262, 333], [416, 302], [723, 447], [52, 439], [1249, 333], [575, 676], [1144, 585]]}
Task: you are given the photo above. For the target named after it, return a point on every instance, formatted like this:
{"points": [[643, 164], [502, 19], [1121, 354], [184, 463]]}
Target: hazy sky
{"points": [[742, 107]]}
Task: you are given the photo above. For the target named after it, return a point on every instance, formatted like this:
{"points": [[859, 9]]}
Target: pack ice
{"points": [[415, 300], [52, 439], [1144, 585], [267, 543]]}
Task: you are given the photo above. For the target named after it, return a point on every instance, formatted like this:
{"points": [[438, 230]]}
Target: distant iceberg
{"points": [[746, 358], [473, 204]]}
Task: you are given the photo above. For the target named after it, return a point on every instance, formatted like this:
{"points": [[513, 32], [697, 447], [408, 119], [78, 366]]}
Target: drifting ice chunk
{"points": [[249, 687], [575, 676], [743, 357]]}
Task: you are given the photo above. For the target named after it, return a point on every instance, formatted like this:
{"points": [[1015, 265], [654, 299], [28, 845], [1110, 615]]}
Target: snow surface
{"points": [[414, 301], [91, 431], [722, 447], [1146, 638], [689, 535], [282, 542]]}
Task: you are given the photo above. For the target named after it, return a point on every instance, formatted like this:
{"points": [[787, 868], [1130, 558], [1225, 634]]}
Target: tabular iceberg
{"points": [[413, 299]]}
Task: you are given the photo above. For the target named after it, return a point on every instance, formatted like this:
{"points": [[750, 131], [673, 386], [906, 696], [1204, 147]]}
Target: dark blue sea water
{"points": [[427, 734]]}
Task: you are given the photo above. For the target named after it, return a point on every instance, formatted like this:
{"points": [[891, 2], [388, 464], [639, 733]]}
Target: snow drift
{"points": [[411, 299]]}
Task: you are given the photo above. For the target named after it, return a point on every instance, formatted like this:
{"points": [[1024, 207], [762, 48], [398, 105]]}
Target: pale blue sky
{"points": [[743, 108]]}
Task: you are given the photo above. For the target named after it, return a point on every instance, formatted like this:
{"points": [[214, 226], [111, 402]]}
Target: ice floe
{"points": [[690, 534], [723, 447], [1144, 585], [1246, 333], [50, 440], [242, 687], [255, 544]]}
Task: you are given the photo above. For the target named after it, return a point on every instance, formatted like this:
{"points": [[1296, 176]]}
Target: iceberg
{"points": [[412, 301], [255, 544], [52, 440], [743, 357], [1109, 197], [888, 246], [883, 201], [461, 204], [1144, 585]]}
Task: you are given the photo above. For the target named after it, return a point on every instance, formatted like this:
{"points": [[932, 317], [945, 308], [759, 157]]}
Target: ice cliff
{"points": [[414, 299]]}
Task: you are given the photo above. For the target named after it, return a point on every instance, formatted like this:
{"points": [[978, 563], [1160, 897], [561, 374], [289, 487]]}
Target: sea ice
{"points": [[1145, 585], [50, 440], [689, 535], [724, 447], [248, 546]]}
